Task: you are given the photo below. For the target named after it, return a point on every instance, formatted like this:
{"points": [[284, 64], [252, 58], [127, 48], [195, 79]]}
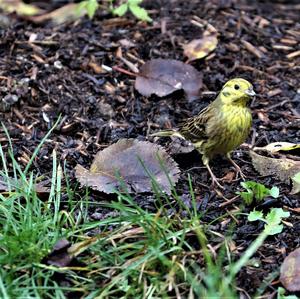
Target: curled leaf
{"points": [[164, 76], [199, 48], [290, 271], [279, 146], [18, 6], [131, 165]]}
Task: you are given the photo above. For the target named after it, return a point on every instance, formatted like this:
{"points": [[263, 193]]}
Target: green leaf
{"points": [[247, 197], [246, 185], [121, 10], [257, 191], [134, 2], [276, 214], [273, 219], [273, 229], [140, 13], [81, 6], [274, 192], [91, 8], [260, 191], [256, 215], [296, 183], [281, 292]]}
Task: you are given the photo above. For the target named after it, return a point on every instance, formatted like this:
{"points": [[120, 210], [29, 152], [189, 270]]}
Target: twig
{"points": [[121, 70]]}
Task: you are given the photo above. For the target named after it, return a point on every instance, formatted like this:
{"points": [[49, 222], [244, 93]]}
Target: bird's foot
{"points": [[239, 172], [215, 182], [237, 169]]}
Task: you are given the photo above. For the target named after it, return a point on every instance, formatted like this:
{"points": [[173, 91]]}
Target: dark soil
{"points": [[60, 73]]}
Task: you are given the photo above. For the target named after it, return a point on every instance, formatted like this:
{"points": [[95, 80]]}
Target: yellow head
{"points": [[236, 92]]}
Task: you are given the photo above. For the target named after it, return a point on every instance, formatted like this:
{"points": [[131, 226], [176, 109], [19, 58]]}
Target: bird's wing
{"points": [[194, 128]]}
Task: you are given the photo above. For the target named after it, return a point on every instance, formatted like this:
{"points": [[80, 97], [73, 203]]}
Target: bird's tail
{"points": [[167, 133]]}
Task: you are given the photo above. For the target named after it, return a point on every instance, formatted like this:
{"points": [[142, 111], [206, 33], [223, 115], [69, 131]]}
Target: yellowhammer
{"points": [[220, 127]]}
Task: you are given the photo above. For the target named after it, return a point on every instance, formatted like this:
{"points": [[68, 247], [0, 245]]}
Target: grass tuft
{"points": [[132, 252]]}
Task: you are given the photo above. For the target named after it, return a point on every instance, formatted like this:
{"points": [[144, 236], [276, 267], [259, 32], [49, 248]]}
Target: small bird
{"points": [[220, 127]]}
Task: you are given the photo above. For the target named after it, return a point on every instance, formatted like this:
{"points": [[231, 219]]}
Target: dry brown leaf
{"points": [[263, 116], [164, 76], [290, 271], [128, 163], [199, 48], [180, 146], [282, 168], [59, 256]]}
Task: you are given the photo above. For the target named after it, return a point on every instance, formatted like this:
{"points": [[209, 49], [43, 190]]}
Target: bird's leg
{"points": [[237, 168], [215, 180]]}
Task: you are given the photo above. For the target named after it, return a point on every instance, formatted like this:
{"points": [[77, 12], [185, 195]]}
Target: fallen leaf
{"points": [[290, 271], [12, 185], [68, 12], [279, 146], [128, 163], [59, 256], [282, 168], [19, 7], [296, 183], [164, 76], [199, 48], [63, 252], [263, 116], [180, 146], [229, 177]]}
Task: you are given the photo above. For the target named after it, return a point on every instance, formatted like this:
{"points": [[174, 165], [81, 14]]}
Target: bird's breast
{"points": [[230, 130]]}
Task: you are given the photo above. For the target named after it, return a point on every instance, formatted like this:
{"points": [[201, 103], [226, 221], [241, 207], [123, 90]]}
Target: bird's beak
{"points": [[250, 92]]}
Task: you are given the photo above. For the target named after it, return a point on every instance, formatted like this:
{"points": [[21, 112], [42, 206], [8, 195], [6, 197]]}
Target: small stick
{"points": [[121, 70]]}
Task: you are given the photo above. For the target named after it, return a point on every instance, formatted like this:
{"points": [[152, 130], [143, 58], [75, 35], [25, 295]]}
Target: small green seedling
{"points": [[273, 226], [272, 220], [134, 7], [281, 292], [296, 183], [90, 6], [257, 191]]}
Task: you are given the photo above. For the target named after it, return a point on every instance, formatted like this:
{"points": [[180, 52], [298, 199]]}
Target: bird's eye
{"points": [[236, 87]]}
